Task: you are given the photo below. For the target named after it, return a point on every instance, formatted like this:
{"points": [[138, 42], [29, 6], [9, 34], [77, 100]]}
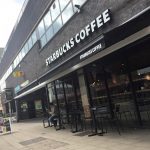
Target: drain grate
{"points": [[48, 144], [32, 141], [44, 143]]}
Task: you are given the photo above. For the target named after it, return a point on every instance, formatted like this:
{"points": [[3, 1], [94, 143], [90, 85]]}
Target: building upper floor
{"points": [[1, 53]]}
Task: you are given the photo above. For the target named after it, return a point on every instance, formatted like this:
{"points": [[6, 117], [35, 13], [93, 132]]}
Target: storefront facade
{"points": [[98, 57]]}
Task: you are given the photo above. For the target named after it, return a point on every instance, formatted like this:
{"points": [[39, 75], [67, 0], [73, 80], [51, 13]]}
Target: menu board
{"points": [[5, 125]]}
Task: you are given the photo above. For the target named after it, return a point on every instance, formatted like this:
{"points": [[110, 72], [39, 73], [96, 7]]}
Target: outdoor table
{"points": [[75, 116], [97, 113]]}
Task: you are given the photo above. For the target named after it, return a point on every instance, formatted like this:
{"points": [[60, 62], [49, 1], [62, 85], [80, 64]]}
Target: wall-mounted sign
{"points": [[92, 51], [18, 74], [25, 83], [99, 22], [17, 89]]}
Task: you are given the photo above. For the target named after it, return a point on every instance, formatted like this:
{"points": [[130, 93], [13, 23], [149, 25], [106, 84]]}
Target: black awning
{"points": [[128, 28]]}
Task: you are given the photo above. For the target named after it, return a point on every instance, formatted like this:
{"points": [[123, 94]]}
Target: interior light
{"points": [[147, 77], [114, 81]]}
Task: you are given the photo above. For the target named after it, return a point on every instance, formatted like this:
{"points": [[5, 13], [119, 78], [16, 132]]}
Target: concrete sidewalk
{"points": [[31, 135]]}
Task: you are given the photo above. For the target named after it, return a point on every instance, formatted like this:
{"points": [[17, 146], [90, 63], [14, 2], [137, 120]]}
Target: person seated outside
{"points": [[53, 115]]}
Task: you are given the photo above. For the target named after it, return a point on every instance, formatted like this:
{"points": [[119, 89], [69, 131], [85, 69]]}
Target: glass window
{"points": [[63, 3], [55, 11], [49, 33], [30, 43], [26, 48], [17, 60], [67, 13], [20, 56], [34, 37], [23, 52], [43, 40], [47, 20], [41, 28], [79, 2], [10, 69], [15, 63], [57, 25], [97, 85], [120, 88]]}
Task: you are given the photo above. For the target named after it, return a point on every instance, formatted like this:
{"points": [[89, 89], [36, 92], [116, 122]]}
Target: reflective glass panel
{"points": [[15, 64], [57, 24], [49, 33], [67, 13], [30, 43], [63, 3], [79, 2], [96, 85], [26, 48], [17, 60], [41, 28], [10, 70], [43, 41], [23, 52], [34, 37], [47, 20], [55, 10], [20, 56]]}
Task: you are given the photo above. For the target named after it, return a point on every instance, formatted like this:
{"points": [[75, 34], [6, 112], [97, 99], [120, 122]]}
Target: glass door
{"points": [[38, 108], [24, 114]]}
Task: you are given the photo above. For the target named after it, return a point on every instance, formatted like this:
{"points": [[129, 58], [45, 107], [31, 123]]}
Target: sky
{"points": [[9, 11]]}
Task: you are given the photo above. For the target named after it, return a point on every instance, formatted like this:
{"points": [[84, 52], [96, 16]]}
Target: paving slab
{"points": [[30, 135]]}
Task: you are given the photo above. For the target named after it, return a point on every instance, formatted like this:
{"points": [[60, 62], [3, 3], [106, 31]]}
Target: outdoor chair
{"points": [[104, 118], [124, 112]]}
